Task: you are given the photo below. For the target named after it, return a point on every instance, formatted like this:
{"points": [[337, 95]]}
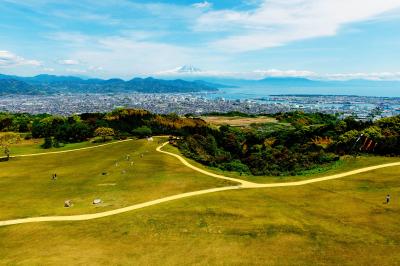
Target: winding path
{"points": [[242, 184], [247, 184]]}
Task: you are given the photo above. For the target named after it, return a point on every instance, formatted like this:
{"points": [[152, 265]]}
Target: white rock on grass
{"points": [[97, 201], [68, 203]]}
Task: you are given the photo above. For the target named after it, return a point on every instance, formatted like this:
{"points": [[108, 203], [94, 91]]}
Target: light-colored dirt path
{"points": [[247, 184], [72, 150], [85, 217], [186, 163], [78, 149], [242, 185]]}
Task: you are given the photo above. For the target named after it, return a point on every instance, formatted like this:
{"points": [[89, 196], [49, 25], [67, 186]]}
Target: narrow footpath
{"points": [[242, 184]]}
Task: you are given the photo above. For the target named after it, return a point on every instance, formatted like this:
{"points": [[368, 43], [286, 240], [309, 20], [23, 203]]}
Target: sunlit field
{"points": [[343, 222], [119, 174]]}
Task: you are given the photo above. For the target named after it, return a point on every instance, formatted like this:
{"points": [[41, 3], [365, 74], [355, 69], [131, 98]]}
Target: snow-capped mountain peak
{"points": [[187, 69]]}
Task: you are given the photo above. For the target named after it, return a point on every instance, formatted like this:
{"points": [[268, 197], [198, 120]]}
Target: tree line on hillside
{"points": [[310, 141], [298, 143], [120, 123]]}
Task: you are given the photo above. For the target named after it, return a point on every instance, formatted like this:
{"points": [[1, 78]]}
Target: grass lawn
{"points": [[34, 146], [26, 187], [344, 165], [237, 121], [337, 222]]}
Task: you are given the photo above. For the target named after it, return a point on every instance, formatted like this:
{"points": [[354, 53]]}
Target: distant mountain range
{"points": [[190, 72], [50, 84], [297, 82]]}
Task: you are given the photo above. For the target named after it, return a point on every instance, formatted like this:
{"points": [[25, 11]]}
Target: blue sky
{"points": [[333, 39]]}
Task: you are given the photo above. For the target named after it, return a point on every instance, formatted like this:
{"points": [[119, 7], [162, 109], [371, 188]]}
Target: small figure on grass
{"points": [[54, 177], [387, 199]]}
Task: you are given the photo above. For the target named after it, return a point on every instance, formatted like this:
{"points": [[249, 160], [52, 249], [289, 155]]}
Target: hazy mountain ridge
{"points": [[49, 84], [14, 86]]}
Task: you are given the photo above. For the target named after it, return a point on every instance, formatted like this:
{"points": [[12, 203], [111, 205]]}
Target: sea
{"points": [[257, 92]]}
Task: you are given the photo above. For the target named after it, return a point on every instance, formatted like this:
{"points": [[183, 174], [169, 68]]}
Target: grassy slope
{"points": [[344, 165], [338, 222], [26, 188], [34, 146], [238, 121]]}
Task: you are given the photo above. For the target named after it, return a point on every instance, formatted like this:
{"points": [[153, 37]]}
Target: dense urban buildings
{"points": [[200, 103]]}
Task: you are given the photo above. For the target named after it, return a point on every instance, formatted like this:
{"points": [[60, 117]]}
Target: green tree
{"points": [[142, 132], [48, 143], [104, 132], [6, 139], [374, 133]]}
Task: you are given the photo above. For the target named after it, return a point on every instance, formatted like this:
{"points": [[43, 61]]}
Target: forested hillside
{"points": [[297, 143], [48, 84], [305, 142]]}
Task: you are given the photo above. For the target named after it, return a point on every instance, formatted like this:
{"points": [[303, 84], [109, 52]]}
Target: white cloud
{"points": [[261, 74], [48, 69], [125, 56], [76, 71], [381, 76], [360, 75], [176, 72], [8, 59], [285, 73], [276, 22], [70, 38], [69, 62], [256, 74], [202, 5], [86, 16], [95, 69], [335, 76]]}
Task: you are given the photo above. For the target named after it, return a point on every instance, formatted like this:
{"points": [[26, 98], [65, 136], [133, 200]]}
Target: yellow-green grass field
{"points": [[27, 189], [337, 222], [34, 146], [238, 121]]}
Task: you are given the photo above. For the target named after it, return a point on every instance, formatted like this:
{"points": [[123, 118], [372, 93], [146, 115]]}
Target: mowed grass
{"points": [[337, 222], [33, 146], [27, 189], [346, 164], [237, 121]]}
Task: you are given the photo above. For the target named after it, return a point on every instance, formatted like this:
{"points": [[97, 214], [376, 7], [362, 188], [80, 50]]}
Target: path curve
{"points": [[242, 185], [247, 184]]}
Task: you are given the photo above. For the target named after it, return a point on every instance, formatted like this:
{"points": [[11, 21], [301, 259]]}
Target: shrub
{"points": [[48, 143], [142, 132], [236, 166]]}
